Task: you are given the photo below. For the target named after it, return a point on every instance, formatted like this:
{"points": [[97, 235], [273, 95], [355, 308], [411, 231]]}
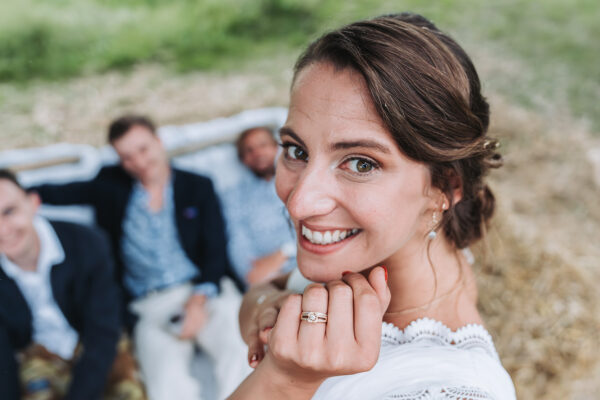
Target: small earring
{"points": [[432, 233]]}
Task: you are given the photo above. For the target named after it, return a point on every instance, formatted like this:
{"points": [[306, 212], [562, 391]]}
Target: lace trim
{"points": [[459, 393], [432, 331]]}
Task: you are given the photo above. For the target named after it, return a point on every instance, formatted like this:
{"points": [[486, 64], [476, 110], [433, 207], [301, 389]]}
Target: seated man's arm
{"points": [[70, 193], [266, 267], [9, 380], [101, 322]]}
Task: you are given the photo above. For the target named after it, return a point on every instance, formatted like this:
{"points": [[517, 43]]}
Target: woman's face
{"points": [[354, 198]]}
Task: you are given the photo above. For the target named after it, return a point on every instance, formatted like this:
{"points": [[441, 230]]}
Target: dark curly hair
{"points": [[427, 92]]}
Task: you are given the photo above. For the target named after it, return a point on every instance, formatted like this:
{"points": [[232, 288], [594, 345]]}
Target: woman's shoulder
{"points": [[427, 360]]}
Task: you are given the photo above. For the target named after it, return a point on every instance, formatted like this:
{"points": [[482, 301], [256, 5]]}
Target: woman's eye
{"points": [[361, 166], [296, 153]]}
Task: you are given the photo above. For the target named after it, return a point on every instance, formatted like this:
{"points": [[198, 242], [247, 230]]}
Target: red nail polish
{"points": [[346, 273], [386, 273], [254, 358]]}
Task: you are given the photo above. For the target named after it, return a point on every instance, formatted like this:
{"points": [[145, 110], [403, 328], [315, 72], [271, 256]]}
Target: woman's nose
{"points": [[312, 195]]}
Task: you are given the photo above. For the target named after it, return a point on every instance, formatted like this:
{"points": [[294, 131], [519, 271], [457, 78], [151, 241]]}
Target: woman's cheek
{"points": [[284, 182]]}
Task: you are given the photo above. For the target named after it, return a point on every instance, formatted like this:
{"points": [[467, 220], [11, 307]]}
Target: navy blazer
{"points": [[197, 215], [84, 288]]}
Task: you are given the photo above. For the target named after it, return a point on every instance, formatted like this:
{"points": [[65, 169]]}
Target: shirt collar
{"points": [[51, 251], [141, 191]]}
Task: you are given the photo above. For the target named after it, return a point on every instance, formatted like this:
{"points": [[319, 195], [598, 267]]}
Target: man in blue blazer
{"points": [[58, 297], [168, 235]]}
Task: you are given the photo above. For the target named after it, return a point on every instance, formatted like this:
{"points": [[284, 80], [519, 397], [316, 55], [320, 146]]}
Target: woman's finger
{"points": [[368, 315], [263, 335], [280, 299], [340, 311], [256, 351], [288, 323], [267, 318], [378, 280], [314, 300]]}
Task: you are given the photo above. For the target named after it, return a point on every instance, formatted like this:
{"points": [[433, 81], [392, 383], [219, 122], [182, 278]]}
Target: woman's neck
{"points": [[436, 283]]}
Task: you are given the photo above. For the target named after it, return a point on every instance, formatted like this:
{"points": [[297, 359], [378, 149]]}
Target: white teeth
{"points": [[327, 237], [336, 236], [317, 237], [307, 233]]}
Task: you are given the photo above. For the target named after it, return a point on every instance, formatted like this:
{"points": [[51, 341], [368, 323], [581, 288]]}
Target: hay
{"points": [[539, 269], [542, 313]]}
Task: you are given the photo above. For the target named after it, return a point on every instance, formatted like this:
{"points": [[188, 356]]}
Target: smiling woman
{"points": [[325, 190], [385, 151]]}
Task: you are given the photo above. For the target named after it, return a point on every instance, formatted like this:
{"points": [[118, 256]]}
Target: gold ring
{"points": [[313, 316]]}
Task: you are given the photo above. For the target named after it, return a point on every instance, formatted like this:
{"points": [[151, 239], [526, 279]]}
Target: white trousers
{"points": [[165, 360]]}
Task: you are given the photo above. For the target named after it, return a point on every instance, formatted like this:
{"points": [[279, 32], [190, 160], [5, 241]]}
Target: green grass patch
{"points": [[555, 41], [68, 38]]}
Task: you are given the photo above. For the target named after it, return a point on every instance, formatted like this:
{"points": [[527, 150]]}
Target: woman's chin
{"points": [[317, 274]]}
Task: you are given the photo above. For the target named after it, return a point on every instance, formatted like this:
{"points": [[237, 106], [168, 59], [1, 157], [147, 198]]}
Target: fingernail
{"points": [[346, 273], [267, 329], [386, 273], [253, 360]]}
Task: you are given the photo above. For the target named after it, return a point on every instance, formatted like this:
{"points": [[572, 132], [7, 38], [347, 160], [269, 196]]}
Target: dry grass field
{"points": [[538, 271]]}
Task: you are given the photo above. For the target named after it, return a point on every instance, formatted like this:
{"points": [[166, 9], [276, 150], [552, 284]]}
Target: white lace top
{"points": [[428, 361]]}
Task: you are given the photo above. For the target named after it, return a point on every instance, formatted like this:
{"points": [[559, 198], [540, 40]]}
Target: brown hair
{"points": [[8, 175], [120, 126], [427, 93], [239, 142]]}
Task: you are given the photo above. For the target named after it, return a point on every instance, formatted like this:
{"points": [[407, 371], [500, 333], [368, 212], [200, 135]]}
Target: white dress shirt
{"points": [[50, 327]]}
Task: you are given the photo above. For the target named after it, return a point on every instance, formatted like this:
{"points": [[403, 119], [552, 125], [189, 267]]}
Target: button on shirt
{"points": [[153, 256], [257, 224], [50, 327]]}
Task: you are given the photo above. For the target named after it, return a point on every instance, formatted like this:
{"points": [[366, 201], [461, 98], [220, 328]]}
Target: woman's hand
{"points": [[258, 315], [348, 343]]}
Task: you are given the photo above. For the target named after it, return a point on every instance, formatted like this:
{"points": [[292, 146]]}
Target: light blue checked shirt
{"points": [[257, 224], [153, 256]]}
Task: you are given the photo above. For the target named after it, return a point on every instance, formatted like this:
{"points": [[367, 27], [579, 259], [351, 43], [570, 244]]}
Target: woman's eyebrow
{"points": [[284, 130], [370, 144]]}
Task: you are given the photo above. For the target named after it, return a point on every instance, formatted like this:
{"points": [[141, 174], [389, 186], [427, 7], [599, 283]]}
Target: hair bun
{"points": [[468, 219]]}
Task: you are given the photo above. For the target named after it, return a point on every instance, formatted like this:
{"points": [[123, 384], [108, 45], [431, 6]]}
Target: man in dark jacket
{"points": [[168, 235], [59, 302]]}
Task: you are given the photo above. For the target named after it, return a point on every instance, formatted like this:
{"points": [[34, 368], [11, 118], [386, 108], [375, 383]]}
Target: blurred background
{"points": [[68, 67]]}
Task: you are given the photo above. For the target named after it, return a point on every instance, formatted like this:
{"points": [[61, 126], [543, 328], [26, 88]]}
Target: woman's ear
{"points": [[455, 187]]}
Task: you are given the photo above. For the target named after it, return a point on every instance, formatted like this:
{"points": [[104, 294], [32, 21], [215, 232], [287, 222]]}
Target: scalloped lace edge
{"points": [[452, 393], [430, 330]]}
